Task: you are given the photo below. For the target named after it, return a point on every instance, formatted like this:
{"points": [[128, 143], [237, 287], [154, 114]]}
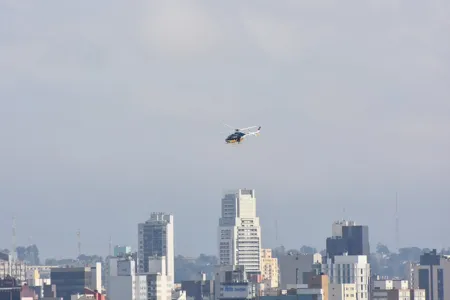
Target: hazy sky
{"points": [[113, 109]]}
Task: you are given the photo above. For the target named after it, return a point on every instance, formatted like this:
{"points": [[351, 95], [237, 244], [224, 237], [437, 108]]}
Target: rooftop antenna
{"points": [[109, 246], [79, 242], [397, 229], [14, 251], [276, 232]]}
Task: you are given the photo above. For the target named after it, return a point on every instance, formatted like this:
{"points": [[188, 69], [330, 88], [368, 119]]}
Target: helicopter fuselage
{"points": [[235, 137]]}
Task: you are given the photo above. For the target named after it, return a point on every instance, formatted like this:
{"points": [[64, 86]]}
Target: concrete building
{"points": [[342, 291], [125, 283], [88, 295], [350, 269], [120, 251], [110, 270], [156, 238], [347, 237], [409, 268], [398, 294], [231, 283], [389, 284], [292, 267], [72, 281], [96, 278], [319, 281], [239, 232], [179, 295], [152, 285], [386, 289], [316, 289], [159, 283], [269, 269], [200, 289], [15, 268], [433, 275]]}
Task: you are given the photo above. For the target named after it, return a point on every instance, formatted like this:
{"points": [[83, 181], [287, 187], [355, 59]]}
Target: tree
{"points": [[308, 250], [293, 252], [278, 251], [410, 254], [382, 249]]}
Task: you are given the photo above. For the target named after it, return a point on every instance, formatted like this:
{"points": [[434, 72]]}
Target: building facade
{"points": [[347, 237], [293, 266], [14, 268], [433, 276], [239, 232], [152, 285], [353, 269], [342, 291], [125, 283], [269, 268], [156, 239], [120, 251], [231, 282], [72, 281]]}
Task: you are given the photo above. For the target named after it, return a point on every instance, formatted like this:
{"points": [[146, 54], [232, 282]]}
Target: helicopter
{"points": [[239, 134]]}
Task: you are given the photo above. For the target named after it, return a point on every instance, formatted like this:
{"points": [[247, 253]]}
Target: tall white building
{"points": [[239, 233], [126, 284], [156, 239], [123, 281], [110, 270], [353, 269]]}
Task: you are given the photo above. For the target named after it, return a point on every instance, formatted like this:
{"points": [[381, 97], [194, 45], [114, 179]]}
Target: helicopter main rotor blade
{"points": [[243, 129]]}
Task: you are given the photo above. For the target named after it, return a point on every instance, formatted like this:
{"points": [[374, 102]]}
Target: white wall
{"points": [[121, 288]]}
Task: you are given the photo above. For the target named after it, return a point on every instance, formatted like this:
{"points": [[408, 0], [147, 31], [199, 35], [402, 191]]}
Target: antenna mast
{"points": [[79, 242], [14, 246], [397, 229], [276, 232], [109, 246]]}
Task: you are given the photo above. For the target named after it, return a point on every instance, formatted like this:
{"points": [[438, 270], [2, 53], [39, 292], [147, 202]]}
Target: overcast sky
{"points": [[113, 109]]}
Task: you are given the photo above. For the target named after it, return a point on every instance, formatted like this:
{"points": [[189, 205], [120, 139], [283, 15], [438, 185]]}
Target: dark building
{"points": [[354, 241], [70, 281], [49, 291], [10, 289], [434, 276], [357, 238], [198, 289], [4, 256], [336, 246], [10, 293]]}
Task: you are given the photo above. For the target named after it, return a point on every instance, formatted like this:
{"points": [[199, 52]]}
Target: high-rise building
{"points": [[269, 268], [347, 237], [156, 239], [350, 269], [433, 275], [239, 231]]}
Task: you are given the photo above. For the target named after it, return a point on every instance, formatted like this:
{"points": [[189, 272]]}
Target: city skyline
{"points": [[134, 246], [109, 115]]}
